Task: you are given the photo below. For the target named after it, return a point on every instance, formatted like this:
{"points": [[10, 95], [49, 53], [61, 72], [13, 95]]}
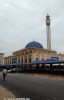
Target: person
{"points": [[4, 72]]}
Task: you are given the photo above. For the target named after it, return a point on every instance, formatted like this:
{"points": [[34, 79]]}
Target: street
{"points": [[27, 86]]}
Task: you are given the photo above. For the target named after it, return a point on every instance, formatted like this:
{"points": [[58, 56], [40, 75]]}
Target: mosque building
{"points": [[34, 50]]}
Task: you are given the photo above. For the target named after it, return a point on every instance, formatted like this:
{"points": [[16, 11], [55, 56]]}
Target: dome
{"points": [[33, 44]]}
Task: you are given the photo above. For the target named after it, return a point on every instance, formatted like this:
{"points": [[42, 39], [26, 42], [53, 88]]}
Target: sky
{"points": [[23, 21]]}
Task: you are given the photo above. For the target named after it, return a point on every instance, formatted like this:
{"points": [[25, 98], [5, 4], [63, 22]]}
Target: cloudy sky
{"points": [[23, 21]]}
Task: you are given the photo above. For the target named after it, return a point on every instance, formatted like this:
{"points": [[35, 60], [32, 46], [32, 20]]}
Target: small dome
{"points": [[33, 44]]}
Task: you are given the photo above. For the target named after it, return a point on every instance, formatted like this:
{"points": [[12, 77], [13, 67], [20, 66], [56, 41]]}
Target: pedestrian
{"points": [[4, 72]]}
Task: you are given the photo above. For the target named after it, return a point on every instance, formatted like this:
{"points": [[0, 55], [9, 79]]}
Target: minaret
{"points": [[48, 30]]}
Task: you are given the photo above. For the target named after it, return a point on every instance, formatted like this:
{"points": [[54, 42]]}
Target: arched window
{"points": [[22, 60], [26, 60], [29, 59], [36, 58]]}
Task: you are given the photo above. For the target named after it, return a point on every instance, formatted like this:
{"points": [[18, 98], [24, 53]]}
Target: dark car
{"points": [[1, 69]]}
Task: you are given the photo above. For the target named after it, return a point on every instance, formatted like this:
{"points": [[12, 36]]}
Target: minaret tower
{"points": [[48, 30]]}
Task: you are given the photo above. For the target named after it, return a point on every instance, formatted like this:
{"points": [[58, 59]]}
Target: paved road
{"points": [[27, 86]]}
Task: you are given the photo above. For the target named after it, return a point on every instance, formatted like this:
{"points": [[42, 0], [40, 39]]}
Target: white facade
{"points": [[1, 58], [48, 30]]}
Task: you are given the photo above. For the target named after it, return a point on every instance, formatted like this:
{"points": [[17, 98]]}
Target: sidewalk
{"points": [[5, 94]]}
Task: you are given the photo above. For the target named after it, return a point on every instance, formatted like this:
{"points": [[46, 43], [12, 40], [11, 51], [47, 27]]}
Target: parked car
{"points": [[1, 69], [16, 70], [8, 71]]}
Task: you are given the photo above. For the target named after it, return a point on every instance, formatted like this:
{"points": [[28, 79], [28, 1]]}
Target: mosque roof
{"points": [[34, 44]]}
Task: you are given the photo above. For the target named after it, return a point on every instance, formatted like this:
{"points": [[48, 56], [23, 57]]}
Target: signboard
{"points": [[55, 58]]}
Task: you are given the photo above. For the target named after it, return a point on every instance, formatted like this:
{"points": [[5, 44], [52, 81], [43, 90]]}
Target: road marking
{"points": [[35, 81], [54, 98]]}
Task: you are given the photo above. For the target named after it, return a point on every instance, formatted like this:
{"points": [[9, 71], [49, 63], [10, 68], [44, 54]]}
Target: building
{"points": [[34, 50], [1, 58]]}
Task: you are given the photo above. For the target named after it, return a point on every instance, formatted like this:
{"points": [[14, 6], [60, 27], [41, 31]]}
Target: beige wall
{"points": [[32, 53], [1, 58]]}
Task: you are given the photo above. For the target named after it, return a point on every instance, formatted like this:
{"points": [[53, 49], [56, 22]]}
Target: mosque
{"points": [[34, 50]]}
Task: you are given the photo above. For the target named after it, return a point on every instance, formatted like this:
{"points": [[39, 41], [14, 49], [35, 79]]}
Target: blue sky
{"points": [[22, 21]]}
